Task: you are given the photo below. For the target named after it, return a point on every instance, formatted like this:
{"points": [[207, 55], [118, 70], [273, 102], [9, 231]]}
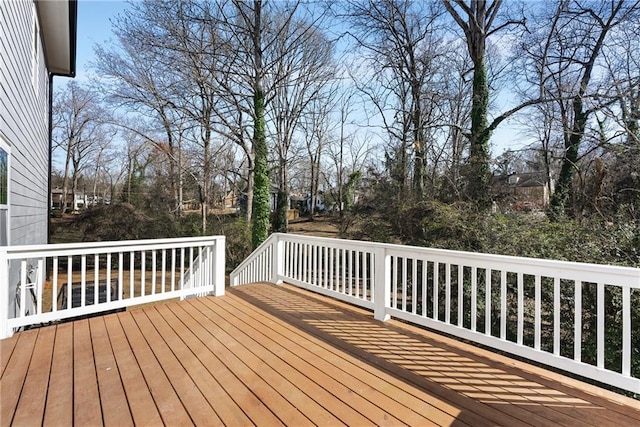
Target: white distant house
{"points": [[38, 43], [74, 202]]}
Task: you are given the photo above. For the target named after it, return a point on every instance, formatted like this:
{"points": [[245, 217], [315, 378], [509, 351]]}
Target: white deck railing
{"points": [[572, 316], [47, 283]]}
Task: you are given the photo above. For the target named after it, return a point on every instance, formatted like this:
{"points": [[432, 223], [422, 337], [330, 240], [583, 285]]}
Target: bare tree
{"points": [[247, 27], [566, 51], [301, 75], [165, 68], [316, 130], [102, 151], [401, 38], [622, 63], [112, 171], [347, 153], [77, 129], [137, 79], [264, 35], [478, 20], [448, 158]]}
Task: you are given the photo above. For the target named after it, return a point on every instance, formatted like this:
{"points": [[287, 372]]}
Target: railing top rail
{"points": [[70, 248], [486, 260]]}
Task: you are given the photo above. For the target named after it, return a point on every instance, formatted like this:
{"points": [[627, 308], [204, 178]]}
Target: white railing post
{"points": [[4, 295], [277, 260], [381, 283], [219, 265]]}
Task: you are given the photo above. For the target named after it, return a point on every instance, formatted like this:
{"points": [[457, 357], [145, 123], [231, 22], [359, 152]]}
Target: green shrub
{"points": [[238, 238], [462, 227]]}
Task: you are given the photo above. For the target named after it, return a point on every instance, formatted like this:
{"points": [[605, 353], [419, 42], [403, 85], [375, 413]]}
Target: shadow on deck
{"points": [[272, 355]]}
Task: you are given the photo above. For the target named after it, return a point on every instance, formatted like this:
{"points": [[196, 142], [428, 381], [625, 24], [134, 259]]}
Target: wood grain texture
{"points": [[276, 355]]}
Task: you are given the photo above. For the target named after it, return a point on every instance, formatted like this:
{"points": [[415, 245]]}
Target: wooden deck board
{"points": [[546, 392], [559, 404], [265, 383], [86, 394], [347, 330], [347, 381], [33, 396], [273, 355], [141, 403], [219, 386], [365, 374], [307, 378], [113, 399], [164, 395], [6, 348], [190, 396], [15, 375], [59, 407]]}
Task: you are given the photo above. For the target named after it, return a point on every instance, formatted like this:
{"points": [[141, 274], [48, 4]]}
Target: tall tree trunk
{"points": [[180, 206], [249, 195], [261, 202], [175, 173], [418, 142], [313, 188], [65, 178], [95, 175], [480, 16], [280, 222], [206, 176], [74, 188], [478, 177], [129, 178], [564, 189]]}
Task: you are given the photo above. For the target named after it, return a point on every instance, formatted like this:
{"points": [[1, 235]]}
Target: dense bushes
{"points": [[123, 221], [461, 227], [238, 237], [592, 241]]}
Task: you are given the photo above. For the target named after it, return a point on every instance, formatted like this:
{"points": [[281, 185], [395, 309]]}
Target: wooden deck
{"points": [[273, 355]]}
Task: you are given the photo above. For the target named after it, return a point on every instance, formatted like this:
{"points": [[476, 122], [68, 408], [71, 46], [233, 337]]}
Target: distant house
{"points": [[38, 42], [523, 191], [273, 198], [230, 200], [302, 203], [74, 202]]}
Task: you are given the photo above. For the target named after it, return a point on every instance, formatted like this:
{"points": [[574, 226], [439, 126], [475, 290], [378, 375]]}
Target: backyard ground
{"points": [[65, 229], [321, 226]]}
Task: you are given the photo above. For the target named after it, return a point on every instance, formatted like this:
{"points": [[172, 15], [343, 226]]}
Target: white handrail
{"points": [[543, 310], [94, 277]]}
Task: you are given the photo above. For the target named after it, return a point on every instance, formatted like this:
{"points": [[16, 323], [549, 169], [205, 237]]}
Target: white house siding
{"points": [[24, 114], [24, 118]]}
